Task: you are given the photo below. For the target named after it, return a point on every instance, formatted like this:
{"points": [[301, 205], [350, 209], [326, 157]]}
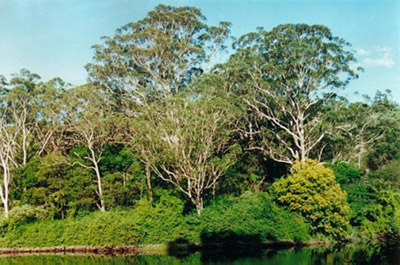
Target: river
{"points": [[375, 255]]}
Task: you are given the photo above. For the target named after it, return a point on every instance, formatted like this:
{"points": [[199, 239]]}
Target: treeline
{"points": [[162, 115]]}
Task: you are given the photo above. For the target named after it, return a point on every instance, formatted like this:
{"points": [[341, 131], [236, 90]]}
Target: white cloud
{"points": [[362, 52], [383, 49], [381, 57]]}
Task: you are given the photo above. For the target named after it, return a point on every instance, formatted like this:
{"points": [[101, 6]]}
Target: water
{"points": [[377, 255]]}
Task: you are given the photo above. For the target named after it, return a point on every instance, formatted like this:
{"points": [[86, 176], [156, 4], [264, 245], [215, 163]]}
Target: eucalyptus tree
{"points": [[356, 129], [89, 125], [18, 116], [286, 75], [49, 131], [187, 142], [361, 128], [9, 148], [153, 59], [22, 91], [387, 148]]}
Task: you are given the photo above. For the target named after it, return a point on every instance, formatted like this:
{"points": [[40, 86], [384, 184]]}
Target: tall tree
{"points": [[8, 154], [286, 74], [89, 126], [155, 58], [50, 130], [18, 115], [359, 127], [187, 142]]}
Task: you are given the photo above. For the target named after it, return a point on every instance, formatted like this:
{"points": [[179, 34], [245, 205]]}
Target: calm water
{"points": [[377, 255]]}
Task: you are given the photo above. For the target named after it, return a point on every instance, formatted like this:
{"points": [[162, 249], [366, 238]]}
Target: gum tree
{"points": [[18, 119], [286, 75], [187, 142], [88, 125], [153, 59]]}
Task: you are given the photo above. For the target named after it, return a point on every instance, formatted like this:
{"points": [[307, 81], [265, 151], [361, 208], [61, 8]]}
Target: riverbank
{"points": [[151, 249], [249, 221], [90, 250], [254, 218]]}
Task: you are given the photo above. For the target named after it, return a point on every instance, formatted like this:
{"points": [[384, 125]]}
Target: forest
{"points": [[184, 133]]}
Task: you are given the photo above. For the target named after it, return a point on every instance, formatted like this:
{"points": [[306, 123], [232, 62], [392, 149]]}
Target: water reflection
{"points": [[377, 255]]}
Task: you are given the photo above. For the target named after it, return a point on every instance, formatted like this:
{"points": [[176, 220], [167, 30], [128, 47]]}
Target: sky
{"points": [[54, 37]]}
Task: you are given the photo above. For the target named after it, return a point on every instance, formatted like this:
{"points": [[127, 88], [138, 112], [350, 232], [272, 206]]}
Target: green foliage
{"points": [[50, 182], [311, 190], [253, 214], [366, 133], [187, 141], [387, 148], [346, 173], [375, 203], [281, 75], [158, 56], [81, 192], [26, 214], [123, 176], [374, 208], [42, 182], [389, 172]]}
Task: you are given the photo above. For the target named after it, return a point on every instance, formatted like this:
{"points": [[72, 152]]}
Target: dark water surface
{"points": [[376, 255]]}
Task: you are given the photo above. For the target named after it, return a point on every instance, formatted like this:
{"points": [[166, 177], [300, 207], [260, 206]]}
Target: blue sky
{"points": [[53, 37]]}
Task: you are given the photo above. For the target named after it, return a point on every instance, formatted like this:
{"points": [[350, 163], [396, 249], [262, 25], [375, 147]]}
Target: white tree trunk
{"points": [[24, 152], [198, 201], [4, 193], [149, 186], [99, 185]]}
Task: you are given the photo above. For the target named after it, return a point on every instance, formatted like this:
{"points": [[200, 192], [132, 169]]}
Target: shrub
{"points": [[346, 173], [26, 214], [252, 215], [375, 208], [312, 191], [389, 172]]}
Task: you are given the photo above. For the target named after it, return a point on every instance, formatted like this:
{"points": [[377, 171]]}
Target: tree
{"points": [[8, 154], [365, 133], [43, 182], [21, 92], [49, 130], [17, 122], [153, 59], [286, 75], [186, 141], [356, 125], [89, 125], [388, 147], [312, 191]]}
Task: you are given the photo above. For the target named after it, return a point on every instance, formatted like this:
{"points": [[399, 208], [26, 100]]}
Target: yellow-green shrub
{"points": [[312, 191]]}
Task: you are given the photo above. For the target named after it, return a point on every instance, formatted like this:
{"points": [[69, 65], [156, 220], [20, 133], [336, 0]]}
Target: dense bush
{"points": [[389, 172], [375, 207], [253, 215], [346, 173], [312, 191]]}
